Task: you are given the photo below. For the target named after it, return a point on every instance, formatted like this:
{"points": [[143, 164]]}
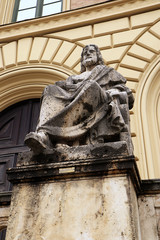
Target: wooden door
{"points": [[3, 234], [15, 122]]}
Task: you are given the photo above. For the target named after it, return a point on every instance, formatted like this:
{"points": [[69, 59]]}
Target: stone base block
{"points": [[91, 199], [79, 209]]}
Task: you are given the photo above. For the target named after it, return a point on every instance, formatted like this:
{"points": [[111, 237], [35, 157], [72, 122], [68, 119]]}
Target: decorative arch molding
{"points": [[27, 82], [129, 50], [148, 126]]}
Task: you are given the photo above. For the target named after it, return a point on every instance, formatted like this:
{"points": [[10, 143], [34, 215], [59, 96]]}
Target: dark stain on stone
{"points": [[88, 107]]}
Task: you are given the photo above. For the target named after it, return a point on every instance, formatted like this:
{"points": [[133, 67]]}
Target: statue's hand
{"points": [[61, 84], [113, 91], [70, 86]]}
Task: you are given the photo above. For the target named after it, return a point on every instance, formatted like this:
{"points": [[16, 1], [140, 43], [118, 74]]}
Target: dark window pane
{"points": [[26, 14], [27, 4], [52, 8]]}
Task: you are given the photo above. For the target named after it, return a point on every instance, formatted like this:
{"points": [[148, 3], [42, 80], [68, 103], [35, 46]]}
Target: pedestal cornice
{"points": [[47, 170]]}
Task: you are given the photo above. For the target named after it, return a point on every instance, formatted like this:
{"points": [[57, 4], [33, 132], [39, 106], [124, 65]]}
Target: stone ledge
{"points": [[64, 162], [150, 186], [112, 166], [65, 153], [5, 198]]}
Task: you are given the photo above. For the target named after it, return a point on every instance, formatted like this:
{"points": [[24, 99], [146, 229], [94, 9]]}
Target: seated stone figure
{"points": [[89, 108]]}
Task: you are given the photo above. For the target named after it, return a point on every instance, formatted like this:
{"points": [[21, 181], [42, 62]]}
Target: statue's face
{"points": [[89, 56]]}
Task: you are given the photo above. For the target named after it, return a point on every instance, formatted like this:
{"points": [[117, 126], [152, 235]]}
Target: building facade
{"points": [[41, 43]]}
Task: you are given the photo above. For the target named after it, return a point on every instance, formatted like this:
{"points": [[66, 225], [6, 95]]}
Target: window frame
{"points": [[38, 13]]}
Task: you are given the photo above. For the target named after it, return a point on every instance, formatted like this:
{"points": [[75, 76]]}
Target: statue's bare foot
{"points": [[37, 142]]}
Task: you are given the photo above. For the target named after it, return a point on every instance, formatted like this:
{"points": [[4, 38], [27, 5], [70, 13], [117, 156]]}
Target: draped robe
{"points": [[71, 108]]}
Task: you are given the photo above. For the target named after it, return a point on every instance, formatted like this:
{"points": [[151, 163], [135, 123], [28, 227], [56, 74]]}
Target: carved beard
{"points": [[90, 61]]}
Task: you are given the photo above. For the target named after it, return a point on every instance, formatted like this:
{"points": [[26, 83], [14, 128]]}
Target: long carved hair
{"points": [[99, 57]]}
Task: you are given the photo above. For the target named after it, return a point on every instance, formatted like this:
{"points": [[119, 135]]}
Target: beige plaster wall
{"points": [[84, 3], [6, 11], [128, 34]]}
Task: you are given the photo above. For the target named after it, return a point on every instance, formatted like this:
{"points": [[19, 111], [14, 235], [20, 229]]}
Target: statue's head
{"points": [[90, 55]]}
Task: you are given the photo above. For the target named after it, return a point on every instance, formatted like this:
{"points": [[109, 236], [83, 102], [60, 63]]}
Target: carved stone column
{"points": [[84, 199]]}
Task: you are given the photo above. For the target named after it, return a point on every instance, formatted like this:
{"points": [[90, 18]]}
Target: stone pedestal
{"points": [[87, 199]]}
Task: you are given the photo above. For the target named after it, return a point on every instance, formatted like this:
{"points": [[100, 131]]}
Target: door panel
{"points": [[5, 163], [3, 234], [15, 122], [9, 122]]}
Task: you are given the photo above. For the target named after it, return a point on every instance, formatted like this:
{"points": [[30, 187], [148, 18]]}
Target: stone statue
{"points": [[89, 108]]}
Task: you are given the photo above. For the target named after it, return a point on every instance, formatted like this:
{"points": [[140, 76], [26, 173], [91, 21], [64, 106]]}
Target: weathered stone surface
{"points": [[89, 199], [89, 108], [149, 220], [46, 169], [5, 198], [149, 209], [4, 214], [92, 208], [94, 198], [66, 153]]}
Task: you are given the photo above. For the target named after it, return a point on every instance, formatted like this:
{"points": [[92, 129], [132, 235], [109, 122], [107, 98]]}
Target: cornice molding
{"points": [[76, 18], [44, 168], [33, 169]]}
